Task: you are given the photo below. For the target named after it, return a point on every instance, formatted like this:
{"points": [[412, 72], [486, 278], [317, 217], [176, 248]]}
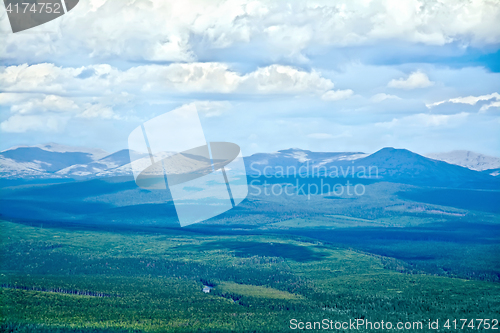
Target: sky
{"points": [[354, 75]]}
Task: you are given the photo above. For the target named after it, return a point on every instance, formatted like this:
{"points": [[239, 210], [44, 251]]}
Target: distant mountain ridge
{"points": [[388, 164], [42, 161], [116, 164], [293, 159], [58, 148], [468, 159]]}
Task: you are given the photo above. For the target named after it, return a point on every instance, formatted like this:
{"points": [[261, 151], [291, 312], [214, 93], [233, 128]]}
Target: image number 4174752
{"points": [[26, 14]]}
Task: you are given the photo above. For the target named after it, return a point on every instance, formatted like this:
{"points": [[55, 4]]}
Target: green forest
{"points": [[82, 280]]}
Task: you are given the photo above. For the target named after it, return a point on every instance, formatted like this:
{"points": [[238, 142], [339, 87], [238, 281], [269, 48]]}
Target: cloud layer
{"points": [[344, 75], [143, 30], [93, 91], [180, 77]]}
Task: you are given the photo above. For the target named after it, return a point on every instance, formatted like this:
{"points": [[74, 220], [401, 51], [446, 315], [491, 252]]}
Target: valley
{"points": [[99, 254]]}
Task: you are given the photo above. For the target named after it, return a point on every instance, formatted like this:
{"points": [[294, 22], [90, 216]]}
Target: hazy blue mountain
{"points": [[403, 165], [387, 164], [291, 160], [59, 161], [492, 172], [117, 159], [43, 160], [51, 161], [116, 164], [468, 159], [96, 153]]}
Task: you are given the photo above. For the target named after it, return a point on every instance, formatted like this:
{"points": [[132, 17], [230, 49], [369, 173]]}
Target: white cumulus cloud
{"points": [[337, 95], [415, 80], [382, 97], [48, 103], [491, 105], [472, 100], [191, 77], [23, 123], [208, 108], [97, 111], [98, 91]]}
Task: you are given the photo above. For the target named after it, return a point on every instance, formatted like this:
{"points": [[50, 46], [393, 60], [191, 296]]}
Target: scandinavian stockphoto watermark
{"points": [[374, 325], [205, 179], [26, 14], [358, 324], [344, 180]]}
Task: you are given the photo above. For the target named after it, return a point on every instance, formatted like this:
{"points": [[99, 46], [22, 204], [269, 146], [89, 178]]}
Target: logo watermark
{"points": [[205, 179], [26, 14], [310, 180]]}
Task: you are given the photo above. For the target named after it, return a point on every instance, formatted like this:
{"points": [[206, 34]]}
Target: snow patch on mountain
{"points": [[468, 159]]}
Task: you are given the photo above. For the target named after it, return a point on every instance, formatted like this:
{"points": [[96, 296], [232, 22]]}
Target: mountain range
{"points": [[59, 161], [468, 159]]}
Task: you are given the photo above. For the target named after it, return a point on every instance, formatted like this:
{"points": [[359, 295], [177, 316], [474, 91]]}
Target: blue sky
{"points": [[324, 76]]}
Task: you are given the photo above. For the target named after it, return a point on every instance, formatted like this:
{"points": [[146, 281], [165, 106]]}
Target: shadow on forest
{"points": [[249, 249]]}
